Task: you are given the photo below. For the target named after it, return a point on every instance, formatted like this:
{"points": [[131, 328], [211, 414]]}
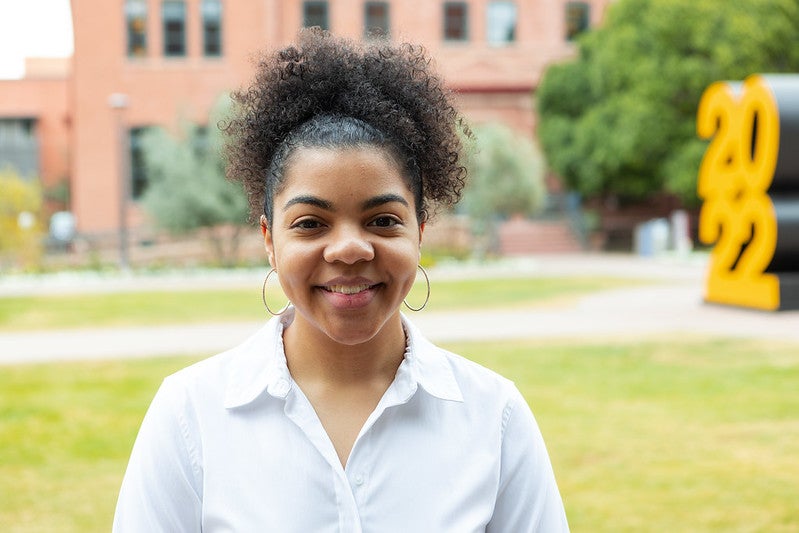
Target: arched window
{"points": [[501, 26], [136, 25], [173, 14], [315, 14], [456, 21], [578, 19], [376, 20], [212, 27]]}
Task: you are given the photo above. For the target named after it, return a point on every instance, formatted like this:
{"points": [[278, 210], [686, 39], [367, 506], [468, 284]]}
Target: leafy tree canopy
{"points": [[187, 189], [620, 119], [506, 173]]}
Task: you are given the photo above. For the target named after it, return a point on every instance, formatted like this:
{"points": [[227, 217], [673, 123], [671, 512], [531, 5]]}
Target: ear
{"points": [[421, 232], [264, 225], [268, 243]]}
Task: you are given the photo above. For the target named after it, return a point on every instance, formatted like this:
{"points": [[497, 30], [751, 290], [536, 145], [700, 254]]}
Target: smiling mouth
{"points": [[348, 289]]}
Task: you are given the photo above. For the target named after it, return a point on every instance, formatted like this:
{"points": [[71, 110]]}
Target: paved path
{"points": [[671, 306]]}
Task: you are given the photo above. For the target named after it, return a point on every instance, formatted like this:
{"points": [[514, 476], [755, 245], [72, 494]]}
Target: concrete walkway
{"points": [[671, 306]]}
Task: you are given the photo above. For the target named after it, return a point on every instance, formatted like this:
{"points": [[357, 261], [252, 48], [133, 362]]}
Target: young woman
{"points": [[338, 415]]}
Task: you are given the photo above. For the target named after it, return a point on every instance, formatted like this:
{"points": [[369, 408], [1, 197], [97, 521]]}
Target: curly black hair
{"points": [[327, 91]]}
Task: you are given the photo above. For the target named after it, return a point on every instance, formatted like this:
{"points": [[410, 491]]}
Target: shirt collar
{"points": [[429, 365], [259, 364]]}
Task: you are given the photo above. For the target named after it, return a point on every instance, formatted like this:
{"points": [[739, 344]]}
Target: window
{"points": [[17, 132], [136, 22], [173, 13], [456, 22], [138, 172], [19, 148], [376, 20], [577, 19], [501, 28], [315, 14], [212, 27]]}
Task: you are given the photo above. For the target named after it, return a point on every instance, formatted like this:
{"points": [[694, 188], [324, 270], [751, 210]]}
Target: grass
{"points": [[165, 307], [66, 430], [655, 435], [666, 435]]}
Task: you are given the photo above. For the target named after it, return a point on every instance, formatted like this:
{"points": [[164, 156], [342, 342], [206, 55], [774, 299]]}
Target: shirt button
{"points": [[359, 480]]}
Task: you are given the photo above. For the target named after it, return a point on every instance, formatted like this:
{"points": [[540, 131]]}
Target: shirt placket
{"points": [[358, 470], [351, 484], [361, 461], [299, 410]]}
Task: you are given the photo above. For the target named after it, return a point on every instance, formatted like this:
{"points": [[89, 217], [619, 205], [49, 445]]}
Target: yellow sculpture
{"points": [[753, 243]]}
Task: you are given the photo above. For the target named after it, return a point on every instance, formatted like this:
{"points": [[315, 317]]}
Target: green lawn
{"points": [[658, 435], [164, 307], [666, 435], [66, 430]]}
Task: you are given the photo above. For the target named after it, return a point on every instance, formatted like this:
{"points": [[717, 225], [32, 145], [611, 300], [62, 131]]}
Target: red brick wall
{"points": [[493, 83], [45, 100]]}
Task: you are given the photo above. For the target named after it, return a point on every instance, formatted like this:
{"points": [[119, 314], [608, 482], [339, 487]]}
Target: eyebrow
{"points": [[371, 203], [309, 200], [384, 199]]}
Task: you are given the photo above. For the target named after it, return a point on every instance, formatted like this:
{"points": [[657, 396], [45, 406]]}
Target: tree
{"points": [[187, 189], [620, 119], [506, 177], [20, 212]]}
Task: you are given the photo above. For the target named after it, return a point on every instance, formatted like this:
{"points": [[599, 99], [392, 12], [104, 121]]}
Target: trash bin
{"points": [[651, 237]]}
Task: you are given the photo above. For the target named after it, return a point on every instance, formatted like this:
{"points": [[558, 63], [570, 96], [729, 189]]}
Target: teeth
{"points": [[347, 289]]}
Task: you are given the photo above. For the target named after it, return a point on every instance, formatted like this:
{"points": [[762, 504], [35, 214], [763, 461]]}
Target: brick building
{"points": [[141, 63], [35, 121]]}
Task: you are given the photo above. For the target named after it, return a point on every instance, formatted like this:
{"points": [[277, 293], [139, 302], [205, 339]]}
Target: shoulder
{"points": [[481, 387], [476, 383], [486, 386], [243, 368], [474, 375], [207, 374]]}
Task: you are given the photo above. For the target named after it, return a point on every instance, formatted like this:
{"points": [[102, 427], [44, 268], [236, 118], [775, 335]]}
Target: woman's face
{"points": [[344, 240]]}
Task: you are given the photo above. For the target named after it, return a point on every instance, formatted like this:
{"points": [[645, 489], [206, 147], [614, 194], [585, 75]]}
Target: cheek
{"points": [[405, 256], [295, 259]]}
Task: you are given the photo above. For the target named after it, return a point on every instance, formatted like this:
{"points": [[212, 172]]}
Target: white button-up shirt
{"points": [[232, 444]]}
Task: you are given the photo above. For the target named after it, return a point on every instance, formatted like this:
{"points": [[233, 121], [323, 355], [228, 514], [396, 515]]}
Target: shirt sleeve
{"points": [[528, 499], [162, 488]]}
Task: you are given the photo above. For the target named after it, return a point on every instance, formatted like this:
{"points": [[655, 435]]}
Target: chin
{"points": [[358, 330], [349, 336]]}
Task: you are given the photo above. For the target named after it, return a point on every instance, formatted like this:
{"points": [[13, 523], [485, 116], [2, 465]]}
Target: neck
{"points": [[314, 357]]}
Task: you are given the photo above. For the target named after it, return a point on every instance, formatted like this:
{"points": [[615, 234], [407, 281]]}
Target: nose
{"points": [[349, 245]]}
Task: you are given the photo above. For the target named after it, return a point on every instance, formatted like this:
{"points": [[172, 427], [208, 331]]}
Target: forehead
{"points": [[351, 170]]}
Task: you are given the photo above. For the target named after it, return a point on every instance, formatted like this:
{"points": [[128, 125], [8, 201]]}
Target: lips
{"points": [[348, 289], [349, 293], [348, 285]]}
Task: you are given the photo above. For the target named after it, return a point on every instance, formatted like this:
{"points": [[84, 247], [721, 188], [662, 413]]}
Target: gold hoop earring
{"points": [[426, 298], [263, 297]]}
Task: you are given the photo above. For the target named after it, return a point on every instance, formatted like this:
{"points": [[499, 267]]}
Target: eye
{"points": [[307, 224], [385, 221]]}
